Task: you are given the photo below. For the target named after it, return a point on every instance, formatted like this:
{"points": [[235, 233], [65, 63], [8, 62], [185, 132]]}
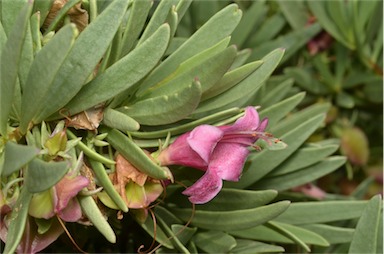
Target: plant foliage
{"points": [[75, 95]]}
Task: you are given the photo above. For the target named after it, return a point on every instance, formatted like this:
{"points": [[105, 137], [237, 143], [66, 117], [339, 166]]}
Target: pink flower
{"points": [[60, 199], [220, 151]]}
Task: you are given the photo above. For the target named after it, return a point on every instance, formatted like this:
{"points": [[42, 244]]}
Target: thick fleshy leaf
{"points": [[9, 63], [217, 28], [248, 86], [90, 209], [135, 23], [248, 246], [332, 234], [214, 241], [16, 156], [104, 181], [165, 109], [19, 218], [115, 119], [234, 199], [277, 111], [136, 156], [319, 212], [302, 176], [367, 230], [223, 220], [231, 79], [304, 157], [85, 54], [208, 67], [42, 175], [123, 74], [211, 119], [43, 72]]}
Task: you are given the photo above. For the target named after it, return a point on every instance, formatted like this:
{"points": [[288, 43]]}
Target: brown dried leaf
{"points": [[87, 120], [76, 14]]}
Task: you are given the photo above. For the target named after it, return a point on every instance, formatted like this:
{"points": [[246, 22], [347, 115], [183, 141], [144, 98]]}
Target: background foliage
{"points": [[313, 67]]}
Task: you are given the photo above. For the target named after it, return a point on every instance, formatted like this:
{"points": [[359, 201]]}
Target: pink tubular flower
{"points": [[220, 151], [60, 199]]}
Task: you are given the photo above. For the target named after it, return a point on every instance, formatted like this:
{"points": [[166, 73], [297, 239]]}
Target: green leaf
{"points": [[304, 78], [214, 241], [279, 110], [104, 181], [16, 156], [157, 19], [244, 246], [230, 79], [267, 30], [35, 32], [115, 119], [173, 237], [295, 12], [136, 156], [223, 220], [302, 176], [298, 118], [217, 28], [26, 60], [298, 235], [188, 126], [282, 233], [42, 175], [43, 72], [123, 74], [184, 234], [85, 54], [320, 212], [18, 220], [345, 100], [318, 8], [136, 20], [208, 66], [249, 85], [3, 38], [367, 230], [274, 92], [92, 211], [9, 64], [251, 19], [234, 199], [149, 226], [10, 10], [332, 234], [304, 157], [43, 7], [165, 109], [241, 58], [291, 42]]}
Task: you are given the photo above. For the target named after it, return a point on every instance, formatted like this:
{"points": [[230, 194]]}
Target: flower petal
{"points": [[203, 140], [263, 125], [227, 160], [72, 212], [180, 153], [250, 121], [205, 189], [67, 188]]}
